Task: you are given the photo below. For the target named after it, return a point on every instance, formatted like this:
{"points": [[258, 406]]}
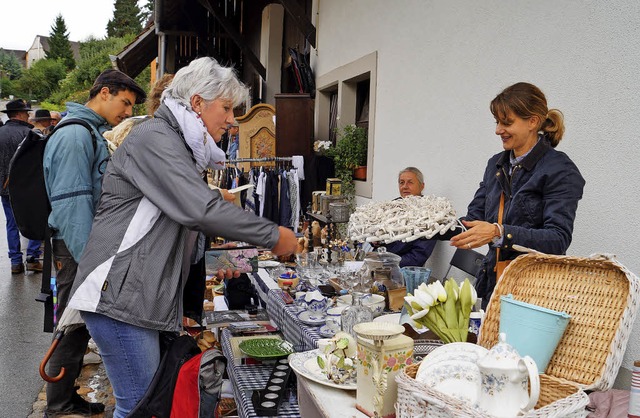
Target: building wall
{"points": [[439, 64], [36, 52]]}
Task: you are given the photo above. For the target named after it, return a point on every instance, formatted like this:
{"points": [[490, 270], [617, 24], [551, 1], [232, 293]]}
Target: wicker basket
{"points": [[601, 296]]}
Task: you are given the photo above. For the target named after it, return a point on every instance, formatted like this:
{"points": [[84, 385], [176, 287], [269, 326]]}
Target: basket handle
{"points": [[603, 256], [431, 401]]}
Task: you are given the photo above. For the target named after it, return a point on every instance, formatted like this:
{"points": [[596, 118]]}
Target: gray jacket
{"points": [[152, 195]]}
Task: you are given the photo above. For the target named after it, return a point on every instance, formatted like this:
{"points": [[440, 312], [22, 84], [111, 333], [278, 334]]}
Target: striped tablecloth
{"points": [[303, 337], [248, 377]]}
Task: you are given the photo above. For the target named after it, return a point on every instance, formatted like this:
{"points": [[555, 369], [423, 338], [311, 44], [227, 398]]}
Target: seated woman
{"points": [[414, 253]]}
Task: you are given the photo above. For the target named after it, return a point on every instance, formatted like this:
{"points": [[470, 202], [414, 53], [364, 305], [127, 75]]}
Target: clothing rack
{"points": [[258, 160]]}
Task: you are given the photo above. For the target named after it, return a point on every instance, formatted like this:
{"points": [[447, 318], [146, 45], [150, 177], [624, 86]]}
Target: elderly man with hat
{"points": [[42, 121], [73, 166], [11, 134]]}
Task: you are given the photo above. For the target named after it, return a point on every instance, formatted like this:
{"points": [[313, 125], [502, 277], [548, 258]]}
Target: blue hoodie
{"points": [[73, 176]]}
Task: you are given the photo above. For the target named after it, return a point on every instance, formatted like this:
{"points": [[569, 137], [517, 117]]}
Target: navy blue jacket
{"points": [[414, 253], [541, 199]]}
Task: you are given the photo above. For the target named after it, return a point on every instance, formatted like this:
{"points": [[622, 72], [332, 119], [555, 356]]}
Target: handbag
{"points": [[500, 265]]}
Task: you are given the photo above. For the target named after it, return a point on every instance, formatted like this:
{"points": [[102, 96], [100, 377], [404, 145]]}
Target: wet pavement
{"points": [[23, 344]]}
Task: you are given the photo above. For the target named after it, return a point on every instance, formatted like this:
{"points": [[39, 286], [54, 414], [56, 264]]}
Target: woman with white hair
{"points": [[129, 284]]}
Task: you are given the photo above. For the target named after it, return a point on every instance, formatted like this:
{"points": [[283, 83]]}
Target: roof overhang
{"points": [[136, 56]]}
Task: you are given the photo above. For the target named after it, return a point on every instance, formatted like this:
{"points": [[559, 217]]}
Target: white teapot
{"points": [[506, 379]]}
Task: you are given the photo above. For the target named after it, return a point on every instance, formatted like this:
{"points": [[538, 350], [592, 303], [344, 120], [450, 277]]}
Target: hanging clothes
{"points": [[285, 200]]}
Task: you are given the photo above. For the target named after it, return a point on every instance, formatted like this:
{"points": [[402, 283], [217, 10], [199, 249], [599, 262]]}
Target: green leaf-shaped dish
{"points": [[266, 348]]}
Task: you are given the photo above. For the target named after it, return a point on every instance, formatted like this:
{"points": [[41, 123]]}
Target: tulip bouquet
{"points": [[444, 309]]}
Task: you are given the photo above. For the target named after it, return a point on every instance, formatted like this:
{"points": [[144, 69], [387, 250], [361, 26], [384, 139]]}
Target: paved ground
{"points": [[23, 344]]}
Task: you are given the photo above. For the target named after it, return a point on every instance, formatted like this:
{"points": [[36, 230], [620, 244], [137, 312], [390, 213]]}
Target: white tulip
{"points": [[424, 299], [419, 314], [441, 294], [430, 290]]}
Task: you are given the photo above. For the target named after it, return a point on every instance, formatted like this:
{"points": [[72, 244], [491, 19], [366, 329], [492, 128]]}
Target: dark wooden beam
{"points": [[300, 18], [218, 12]]}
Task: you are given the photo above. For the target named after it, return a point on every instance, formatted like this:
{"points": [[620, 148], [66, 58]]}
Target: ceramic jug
{"points": [[510, 383]]}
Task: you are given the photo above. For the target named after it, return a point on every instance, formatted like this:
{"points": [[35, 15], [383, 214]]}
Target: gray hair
{"points": [[413, 170], [208, 79]]}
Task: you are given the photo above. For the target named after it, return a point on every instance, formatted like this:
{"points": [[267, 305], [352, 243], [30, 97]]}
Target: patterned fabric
{"points": [[302, 337], [248, 377]]}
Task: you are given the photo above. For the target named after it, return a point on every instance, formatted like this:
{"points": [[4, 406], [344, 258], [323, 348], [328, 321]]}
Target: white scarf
{"points": [[204, 148]]}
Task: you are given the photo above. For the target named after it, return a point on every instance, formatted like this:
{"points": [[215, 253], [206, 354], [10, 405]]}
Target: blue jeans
{"points": [[13, 236], [130, 355]]}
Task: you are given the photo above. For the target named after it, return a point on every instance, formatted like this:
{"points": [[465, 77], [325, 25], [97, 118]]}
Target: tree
{"points": [[59, 45], [42, 79], [126, 19], [94, 58], [147, 11], [9, 65]]}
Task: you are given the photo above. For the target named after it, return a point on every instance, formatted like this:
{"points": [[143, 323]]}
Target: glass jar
{"points": [[382, 270], [355, 314]]}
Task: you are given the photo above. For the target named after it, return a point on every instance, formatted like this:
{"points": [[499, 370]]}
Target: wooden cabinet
{"points": [[294, 125]]}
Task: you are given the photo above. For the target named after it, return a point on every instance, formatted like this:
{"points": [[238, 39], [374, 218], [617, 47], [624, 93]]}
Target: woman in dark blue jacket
{"points": [[541, 186]]}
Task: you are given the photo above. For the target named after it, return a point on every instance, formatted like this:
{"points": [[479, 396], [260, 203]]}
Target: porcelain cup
{"points": [[334, 318]]}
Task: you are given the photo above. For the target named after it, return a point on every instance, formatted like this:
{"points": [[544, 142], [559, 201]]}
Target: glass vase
{"points": [[355, 314]]}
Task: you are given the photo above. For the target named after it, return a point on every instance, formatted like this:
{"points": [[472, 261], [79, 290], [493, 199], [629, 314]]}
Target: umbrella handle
{"points": [[56, 340]]}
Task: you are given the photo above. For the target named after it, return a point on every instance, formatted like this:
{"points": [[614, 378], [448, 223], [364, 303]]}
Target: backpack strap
{"points": [[67, 122]]}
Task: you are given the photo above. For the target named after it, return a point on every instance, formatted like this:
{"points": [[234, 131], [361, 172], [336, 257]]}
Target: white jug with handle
{"points": [[510, 383]]}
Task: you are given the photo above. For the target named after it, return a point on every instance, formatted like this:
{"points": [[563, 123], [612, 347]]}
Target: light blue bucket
{"points": [[532, 330]]}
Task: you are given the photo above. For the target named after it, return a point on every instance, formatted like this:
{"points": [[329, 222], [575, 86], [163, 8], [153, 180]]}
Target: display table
{"points": [[316, 400], [247, 377], [302, 337], [311, 399]]}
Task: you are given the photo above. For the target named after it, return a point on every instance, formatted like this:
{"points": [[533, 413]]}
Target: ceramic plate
{"points": [[453, 351], [305, 318], [460, 379], [266, 348], [306, 365], [393, 318], [326, 332], [268, 263]]}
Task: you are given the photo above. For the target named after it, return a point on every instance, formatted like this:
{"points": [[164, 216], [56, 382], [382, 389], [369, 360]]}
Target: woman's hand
{"points": [[287, 242], [478, 234], [227, 274]]}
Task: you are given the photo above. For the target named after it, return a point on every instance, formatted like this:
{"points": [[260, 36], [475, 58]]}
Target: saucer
{"points": [[305, 318], [326, 331]]}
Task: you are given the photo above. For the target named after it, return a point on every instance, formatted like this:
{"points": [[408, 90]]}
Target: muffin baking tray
{"points": [[267, 401]]}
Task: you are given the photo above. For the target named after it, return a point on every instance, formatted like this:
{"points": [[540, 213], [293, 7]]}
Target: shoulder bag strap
{"points": [[500, 213]]}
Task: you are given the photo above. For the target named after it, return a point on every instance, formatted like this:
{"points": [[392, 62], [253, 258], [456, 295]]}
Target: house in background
{"points": [[40, 47]]}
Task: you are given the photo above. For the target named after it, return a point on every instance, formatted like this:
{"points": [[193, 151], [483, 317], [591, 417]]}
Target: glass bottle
{"points": [[355, 314]]}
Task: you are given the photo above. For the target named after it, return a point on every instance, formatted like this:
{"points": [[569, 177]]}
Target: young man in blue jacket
{"points": [[73, 171]]}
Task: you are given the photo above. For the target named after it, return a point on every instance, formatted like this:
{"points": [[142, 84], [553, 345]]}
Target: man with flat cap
{"points": [[73, 175], [11, 135], [41, 121]]}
